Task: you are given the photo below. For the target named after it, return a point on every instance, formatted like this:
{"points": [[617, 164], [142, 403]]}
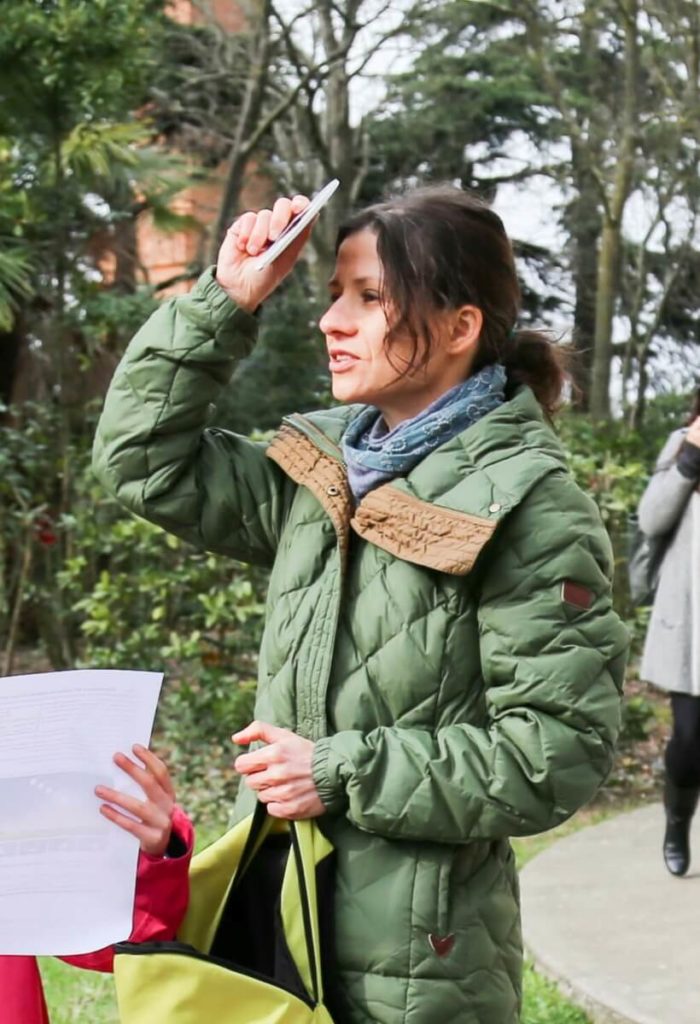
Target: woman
{"points": [[670, 507], [160, 900], [441, 665]]}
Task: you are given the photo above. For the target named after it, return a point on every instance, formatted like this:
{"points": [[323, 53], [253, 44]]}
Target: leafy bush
{"points": [[612, 464], [39, 466], [97, 587], [159, 604], [638, 719]]}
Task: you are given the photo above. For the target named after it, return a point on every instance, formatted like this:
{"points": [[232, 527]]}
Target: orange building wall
{"points": [[226, 13]]}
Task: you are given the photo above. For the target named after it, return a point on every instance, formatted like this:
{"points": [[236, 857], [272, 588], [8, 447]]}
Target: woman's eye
{"points": [[370, 296]]}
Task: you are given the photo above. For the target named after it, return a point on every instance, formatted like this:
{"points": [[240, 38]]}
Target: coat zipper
{"points": [[317, 437]]}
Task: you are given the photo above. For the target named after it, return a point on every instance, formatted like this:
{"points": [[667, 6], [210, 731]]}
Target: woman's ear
{"points": [[467, 323]]}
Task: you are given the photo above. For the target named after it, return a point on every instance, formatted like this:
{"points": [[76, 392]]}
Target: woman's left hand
{"points": [[150, 818], [280, 772]]}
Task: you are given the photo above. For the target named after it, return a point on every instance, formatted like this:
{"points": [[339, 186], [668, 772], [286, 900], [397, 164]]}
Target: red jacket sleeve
{"points": [[160, 901]]}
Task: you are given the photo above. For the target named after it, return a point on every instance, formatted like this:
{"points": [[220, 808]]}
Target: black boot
{"points": [[680, 803]]}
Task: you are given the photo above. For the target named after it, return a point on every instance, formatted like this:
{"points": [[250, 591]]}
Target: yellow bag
{"points": [[249, 948]]}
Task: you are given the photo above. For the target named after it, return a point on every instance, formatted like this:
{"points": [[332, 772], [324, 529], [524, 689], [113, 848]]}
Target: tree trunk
{"points": [[606, 291], [610, 242], [585, 226]]}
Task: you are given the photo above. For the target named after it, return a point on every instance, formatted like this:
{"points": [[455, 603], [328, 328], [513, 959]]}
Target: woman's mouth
{"points": [[341, 361]]}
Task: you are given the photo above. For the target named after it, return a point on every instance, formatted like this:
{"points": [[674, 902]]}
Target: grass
{"points": [[75, 996], [544, 1004]]}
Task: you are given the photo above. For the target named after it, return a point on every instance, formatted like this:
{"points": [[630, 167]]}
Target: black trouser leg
{"points": [[683, 750], [682, 784]]}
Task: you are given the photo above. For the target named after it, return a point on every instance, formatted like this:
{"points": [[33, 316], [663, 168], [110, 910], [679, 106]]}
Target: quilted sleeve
{"points": [[153, 450], [553, 654], [667, 492]]}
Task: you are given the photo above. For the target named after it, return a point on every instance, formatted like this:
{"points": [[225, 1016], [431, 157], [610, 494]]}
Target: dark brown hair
{"points": [[441, 248]]}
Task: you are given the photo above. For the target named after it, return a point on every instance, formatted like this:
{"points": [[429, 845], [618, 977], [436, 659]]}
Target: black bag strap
{"points": [[305, 904], [259, 828]]}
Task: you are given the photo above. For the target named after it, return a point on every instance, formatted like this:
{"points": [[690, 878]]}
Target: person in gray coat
{"points": [[670, 507]]}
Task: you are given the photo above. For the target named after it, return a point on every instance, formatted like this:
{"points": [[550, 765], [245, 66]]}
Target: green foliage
{"points": [[612, 464], [638, 719], [146, 599], [36, 465], [73, 153], [87, 59], [15, 284], [544, 1004], [470, 84], [609, 463], [286, 372], [102, 317], [105, 589]]}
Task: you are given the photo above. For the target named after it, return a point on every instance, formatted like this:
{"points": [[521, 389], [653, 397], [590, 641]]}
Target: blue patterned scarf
{"points": [[374, 454]]}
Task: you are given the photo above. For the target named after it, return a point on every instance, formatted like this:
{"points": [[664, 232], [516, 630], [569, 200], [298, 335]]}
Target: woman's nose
{"points": [[336, 320]]}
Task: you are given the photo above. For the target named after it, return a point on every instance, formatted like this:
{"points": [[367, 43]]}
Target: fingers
{"points": [[299, 203], [281, 216], [266, 775], [152, 839], [255, 761], [260, 233], [275, 794], [153, 779], [146, 812], [148, 820], [297, 799], [297, 807], [253, 231], [260, 731], [156, 767]]}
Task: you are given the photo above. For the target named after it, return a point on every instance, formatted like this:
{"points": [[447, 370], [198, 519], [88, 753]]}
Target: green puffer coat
{"points": [[450, 644]]}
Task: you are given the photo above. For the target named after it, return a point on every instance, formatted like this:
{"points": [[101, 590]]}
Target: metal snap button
{"points": [[495, 507], [333, 490]]}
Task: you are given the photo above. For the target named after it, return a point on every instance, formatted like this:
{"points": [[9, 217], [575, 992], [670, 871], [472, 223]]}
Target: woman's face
{"points": [[355, 325]]}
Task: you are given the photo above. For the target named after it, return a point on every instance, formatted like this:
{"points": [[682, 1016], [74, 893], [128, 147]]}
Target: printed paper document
{"points": [[67, 875]]}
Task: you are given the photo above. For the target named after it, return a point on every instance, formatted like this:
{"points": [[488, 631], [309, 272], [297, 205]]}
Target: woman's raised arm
{"points": [[154, 450]]}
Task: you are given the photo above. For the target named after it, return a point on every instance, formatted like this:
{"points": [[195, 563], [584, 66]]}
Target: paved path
{"points": [[602, 915]]}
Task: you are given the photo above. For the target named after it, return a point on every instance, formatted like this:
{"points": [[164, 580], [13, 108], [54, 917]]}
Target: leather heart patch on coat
{"points": [[441, 944]]}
